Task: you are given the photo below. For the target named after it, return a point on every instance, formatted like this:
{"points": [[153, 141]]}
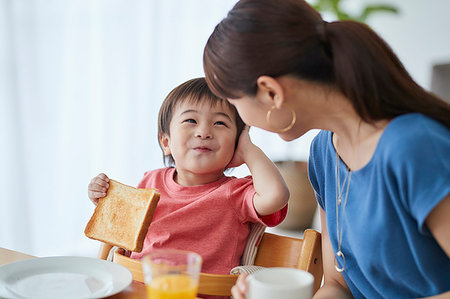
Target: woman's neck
{"points": [[358, 142], [354, 139], [324, 107]]}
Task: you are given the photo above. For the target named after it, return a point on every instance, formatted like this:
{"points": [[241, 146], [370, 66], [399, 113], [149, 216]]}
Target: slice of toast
{"points": [[123, 216]]}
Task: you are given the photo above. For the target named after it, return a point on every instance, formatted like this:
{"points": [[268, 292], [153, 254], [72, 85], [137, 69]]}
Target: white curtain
{"points": [[81, 83]]}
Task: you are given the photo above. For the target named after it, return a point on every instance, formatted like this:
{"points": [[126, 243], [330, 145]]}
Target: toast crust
{"points": [[123, 216]]}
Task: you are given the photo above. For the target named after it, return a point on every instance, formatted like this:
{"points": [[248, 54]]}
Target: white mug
{"points": [[286, 283]]}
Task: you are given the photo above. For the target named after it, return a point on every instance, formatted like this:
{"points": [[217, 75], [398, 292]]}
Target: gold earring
{"points": [[294, 119]]}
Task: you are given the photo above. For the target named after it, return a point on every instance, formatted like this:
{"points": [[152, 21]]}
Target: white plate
{"points": [[62, 277]]}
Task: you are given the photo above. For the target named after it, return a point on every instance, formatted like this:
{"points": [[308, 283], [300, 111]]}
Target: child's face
{"points": [[202, 137]]}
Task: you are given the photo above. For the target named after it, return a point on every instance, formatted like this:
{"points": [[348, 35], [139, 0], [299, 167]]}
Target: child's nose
{"points": [[203, 132]]}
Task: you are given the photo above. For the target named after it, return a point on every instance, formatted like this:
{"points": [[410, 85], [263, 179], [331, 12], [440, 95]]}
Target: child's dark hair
{"points": [[194, 91]]}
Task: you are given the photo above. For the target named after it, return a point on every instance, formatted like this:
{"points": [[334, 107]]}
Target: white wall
{"points": [[419, 35]]}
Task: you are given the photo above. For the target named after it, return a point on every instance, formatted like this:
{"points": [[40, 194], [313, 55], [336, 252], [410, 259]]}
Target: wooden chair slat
{"points": [[274, 251]]}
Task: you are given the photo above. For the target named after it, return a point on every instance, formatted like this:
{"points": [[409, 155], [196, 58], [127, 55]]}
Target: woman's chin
{"points": [[292, 134], [286, 137]]}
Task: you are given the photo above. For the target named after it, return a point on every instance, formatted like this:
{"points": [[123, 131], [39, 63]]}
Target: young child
{"points": [[200, 208]]}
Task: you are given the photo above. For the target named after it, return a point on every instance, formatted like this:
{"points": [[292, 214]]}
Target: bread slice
{"points": [[123, 216]]}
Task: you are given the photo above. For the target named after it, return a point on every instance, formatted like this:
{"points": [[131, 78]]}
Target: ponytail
{"points": [[371, 76]]}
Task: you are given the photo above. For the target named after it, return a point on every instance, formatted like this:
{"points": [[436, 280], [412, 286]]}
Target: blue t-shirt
{"points": [[389, 251]]}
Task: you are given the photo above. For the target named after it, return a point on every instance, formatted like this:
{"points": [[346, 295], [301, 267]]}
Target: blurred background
{"points": [[81, 83]]}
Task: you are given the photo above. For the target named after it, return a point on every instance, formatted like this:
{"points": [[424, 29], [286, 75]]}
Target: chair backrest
{"points": [[304, 254], [274, 251]]}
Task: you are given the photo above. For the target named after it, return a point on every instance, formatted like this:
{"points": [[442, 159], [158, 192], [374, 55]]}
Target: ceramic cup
{"points": [[286, 283]]}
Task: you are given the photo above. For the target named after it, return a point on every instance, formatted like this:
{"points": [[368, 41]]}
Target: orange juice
{"points": [[177, 286]]}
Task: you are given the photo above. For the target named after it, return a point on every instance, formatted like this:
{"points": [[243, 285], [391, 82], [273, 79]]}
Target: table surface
{"points": [[136, 290]]}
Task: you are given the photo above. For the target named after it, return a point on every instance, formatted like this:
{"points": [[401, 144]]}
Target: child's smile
{"points": [[202, 138], [203, 149]]}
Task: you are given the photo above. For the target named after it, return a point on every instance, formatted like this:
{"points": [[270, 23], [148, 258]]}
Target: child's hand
{"points": [[244, 144], [98, 187], [272, 193]]}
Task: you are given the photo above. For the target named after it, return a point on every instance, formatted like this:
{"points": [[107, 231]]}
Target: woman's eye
{"points": [[190, 120]]}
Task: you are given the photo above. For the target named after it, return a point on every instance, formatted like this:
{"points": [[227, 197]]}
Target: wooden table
{"points": [[136, 290], [8, 256]]}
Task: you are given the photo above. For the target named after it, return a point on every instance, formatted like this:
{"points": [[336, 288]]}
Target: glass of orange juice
{"points": [[171, 274]]}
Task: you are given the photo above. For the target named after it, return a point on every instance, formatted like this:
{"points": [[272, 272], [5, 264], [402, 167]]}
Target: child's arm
{"points": [[272, 193]]}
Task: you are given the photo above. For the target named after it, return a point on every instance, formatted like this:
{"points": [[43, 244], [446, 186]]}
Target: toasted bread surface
{"points": [[123, 216]]}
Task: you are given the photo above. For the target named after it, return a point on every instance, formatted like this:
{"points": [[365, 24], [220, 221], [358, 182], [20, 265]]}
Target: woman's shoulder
{"points": [[415, 131], [413, 124], [321, 141], [411, 138], [322, 137], [320, 145]]}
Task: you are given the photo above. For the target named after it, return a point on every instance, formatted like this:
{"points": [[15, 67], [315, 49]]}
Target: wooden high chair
{"points": [[274, 251]]}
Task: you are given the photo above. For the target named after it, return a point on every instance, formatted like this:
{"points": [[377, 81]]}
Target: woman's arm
{"points": [[438, 222], [272, 193], [334, 284], [445, 295]]}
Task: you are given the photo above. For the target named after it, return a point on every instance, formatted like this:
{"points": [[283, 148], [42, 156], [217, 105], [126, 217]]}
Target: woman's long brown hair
{"points": [[275, 38]]}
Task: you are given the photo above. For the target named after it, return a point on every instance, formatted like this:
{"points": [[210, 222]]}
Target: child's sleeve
{"points": [[144, 183], [241, 193]]}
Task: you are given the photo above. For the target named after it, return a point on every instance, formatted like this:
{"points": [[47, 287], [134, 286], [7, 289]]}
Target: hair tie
{"points": [[322, 31], [323, 37]]}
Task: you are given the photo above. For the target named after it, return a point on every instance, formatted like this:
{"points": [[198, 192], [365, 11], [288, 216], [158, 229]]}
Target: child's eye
{"points": [[190, 120], [221, 123]]}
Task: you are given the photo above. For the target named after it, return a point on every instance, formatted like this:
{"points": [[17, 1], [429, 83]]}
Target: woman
{"points": [[381, 164]]}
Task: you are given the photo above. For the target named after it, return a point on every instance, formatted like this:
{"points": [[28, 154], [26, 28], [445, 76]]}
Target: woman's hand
{"points": [[244, 144], [98, 187], [240, 288]]}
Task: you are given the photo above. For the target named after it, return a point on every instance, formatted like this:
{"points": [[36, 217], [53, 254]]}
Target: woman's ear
{"points": [[270, 90], [164, 142]]}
